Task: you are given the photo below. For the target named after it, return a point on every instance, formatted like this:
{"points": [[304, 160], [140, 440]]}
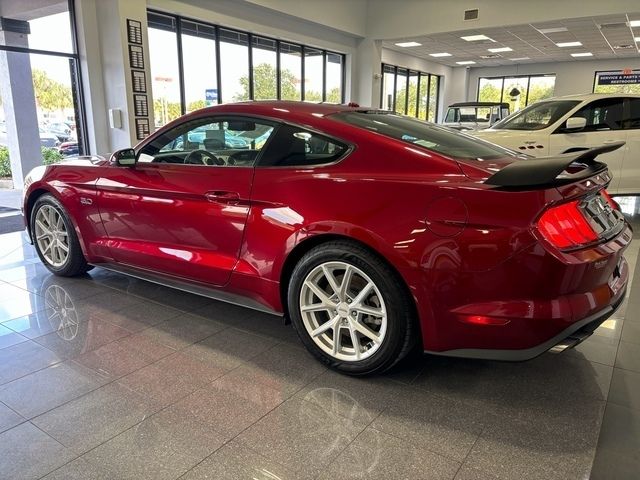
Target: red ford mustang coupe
{"points": [[372, 232]]}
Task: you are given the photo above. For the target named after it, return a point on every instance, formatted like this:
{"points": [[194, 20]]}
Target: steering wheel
{"points": [[199, 157]]}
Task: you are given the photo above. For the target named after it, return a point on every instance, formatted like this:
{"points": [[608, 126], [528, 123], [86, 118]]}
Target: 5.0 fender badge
{"points": [[86, 201]]}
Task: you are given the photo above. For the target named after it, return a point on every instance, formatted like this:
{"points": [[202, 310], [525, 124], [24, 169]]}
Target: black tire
{"points": [[401, 335], [75, 264]]}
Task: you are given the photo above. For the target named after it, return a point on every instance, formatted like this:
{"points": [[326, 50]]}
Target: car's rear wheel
{"points": [[55, 238], [350, 309]]}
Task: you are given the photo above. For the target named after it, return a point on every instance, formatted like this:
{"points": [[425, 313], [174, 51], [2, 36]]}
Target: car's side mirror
{"points": [[575, 124], [125, 157]]}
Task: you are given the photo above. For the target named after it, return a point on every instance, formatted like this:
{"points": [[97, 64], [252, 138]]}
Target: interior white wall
{"points": [[347, 16], [571, 77]]}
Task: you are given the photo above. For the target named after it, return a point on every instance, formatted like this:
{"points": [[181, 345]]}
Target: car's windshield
{"points": [[468, 114], [428, 135], [537, 116]]}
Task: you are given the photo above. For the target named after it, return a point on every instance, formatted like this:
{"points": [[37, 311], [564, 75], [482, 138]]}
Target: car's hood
{"points": [[533, 141], [83, 160]]}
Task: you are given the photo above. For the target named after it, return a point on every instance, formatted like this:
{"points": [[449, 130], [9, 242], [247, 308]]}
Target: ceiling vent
{"points": [[611, 26], [492, 55], [622, 47], [471, 14]]}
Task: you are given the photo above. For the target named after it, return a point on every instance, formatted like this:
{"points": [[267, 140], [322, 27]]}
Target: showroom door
{"points": [[182, 208], [604, 125]]}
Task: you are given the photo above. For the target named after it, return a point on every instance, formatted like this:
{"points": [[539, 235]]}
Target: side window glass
{"points": [[634, 114], [602, 115], [292, 146], [212, 142]]}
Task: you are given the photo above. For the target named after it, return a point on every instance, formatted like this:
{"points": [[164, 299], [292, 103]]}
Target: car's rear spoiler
{"points": [[547, 171]]}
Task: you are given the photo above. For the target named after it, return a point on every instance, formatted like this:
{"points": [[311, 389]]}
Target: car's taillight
{"points": [[565, 226], [609, 200]]}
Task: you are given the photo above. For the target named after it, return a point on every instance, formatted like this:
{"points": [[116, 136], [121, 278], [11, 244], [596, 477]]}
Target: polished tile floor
{"points": [[109, 377]]}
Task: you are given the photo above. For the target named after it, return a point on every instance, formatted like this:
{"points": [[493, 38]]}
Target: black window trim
{"points": [[393, 69], [625, 116]]}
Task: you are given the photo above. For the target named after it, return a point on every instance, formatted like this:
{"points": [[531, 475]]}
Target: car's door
{"points": [[604, 125], [630, 178], [182, 208]]}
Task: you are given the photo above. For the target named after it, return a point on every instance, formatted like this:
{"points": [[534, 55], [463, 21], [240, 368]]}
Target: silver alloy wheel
{"points": [[51, 235], [343, 311]]}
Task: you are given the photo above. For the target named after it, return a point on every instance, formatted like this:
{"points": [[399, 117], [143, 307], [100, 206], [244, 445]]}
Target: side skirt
{"points": [[187, 286]]}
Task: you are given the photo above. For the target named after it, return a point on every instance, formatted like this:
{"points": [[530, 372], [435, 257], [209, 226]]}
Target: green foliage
{"points": [[537, 92], [50, 94], [5, 164], [633, 88], [50, 155]]}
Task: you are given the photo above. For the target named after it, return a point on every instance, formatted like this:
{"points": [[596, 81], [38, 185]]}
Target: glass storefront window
{"points": [[165, 81], [234, 58], [388, 81], [199, 64], [233, 75], [334, 69], [532, 88], [401, 91], [290, 71], [434, 92], [410, 92], [312, 75], [265, 68]]}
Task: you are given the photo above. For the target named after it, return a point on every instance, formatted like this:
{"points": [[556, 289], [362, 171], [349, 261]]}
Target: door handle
{"points": [[223, 196]]}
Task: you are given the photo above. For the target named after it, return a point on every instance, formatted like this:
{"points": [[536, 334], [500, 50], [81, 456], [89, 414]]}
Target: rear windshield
{"points": [[443, 140], [537, 116]]}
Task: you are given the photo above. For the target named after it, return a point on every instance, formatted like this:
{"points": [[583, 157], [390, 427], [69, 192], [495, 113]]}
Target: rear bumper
{"points": [[568, 338]]}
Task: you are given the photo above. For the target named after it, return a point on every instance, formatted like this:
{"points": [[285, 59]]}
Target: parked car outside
{"points": [[578, 122], [475, 115], [46, 139], [68, 149], [374, 233], [61, 130]]}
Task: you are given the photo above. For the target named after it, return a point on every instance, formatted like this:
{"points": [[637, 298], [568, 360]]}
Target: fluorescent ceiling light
{"points": [[552, 30], [501, 49], [408, 44], [569, 44], [582, 54], [466, 62], [637, 39], [476, 38], [634, 23], [519, 58], [442, 54]]}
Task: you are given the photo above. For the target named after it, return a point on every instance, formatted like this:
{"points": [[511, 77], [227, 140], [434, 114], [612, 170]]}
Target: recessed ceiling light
{"points": [[408, 44], [442, 54], [466, 62], [637, 39], [476, 38], [569, 44], [634, 23], [491, 55], [501, 49], [552, 30], [519, 58], [582, 54]]}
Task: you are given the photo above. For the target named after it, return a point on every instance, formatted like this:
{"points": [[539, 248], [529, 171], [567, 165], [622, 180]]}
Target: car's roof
{"points": [[277, 108], [594, 96], [479, 104]]}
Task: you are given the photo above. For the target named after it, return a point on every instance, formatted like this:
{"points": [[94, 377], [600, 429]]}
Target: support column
{"points": [[367, 82], [19, 104]]}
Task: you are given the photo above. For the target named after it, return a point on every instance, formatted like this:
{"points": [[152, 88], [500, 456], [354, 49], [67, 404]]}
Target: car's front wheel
{"points": [[55, 238], [350, 309]]}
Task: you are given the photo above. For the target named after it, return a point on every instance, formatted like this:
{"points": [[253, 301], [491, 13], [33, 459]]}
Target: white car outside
{"points": [[578, 122]]}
